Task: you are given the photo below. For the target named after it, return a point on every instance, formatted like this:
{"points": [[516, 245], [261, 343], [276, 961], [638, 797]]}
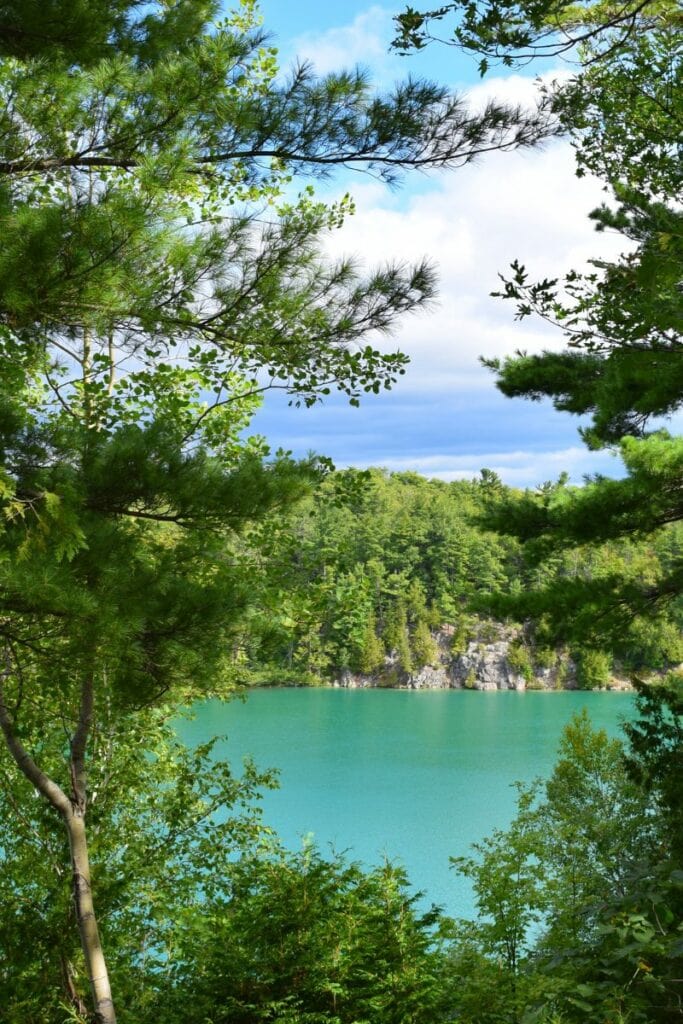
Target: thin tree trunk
{"points": [[72, 811], [95, 963]]}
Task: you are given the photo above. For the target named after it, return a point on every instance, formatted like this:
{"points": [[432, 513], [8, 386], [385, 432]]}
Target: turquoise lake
{"points": [[416, 776]]}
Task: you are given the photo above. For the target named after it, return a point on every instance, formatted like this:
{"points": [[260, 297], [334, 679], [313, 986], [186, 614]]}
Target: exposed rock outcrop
{"points": [[487, 667], [495, 656]]}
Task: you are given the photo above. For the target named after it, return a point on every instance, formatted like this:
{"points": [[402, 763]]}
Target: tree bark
{"points": [[72, 811], [95, 963]]}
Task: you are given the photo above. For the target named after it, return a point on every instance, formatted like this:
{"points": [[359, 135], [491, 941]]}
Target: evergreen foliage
{"points": [[580, 898], [606, 835], [187, 874], [313, 940], [621, 319], [158, 274], [373, 565], [161, 828]]}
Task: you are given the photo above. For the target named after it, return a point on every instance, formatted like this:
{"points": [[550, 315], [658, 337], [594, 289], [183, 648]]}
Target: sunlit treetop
{"points": [[515, 32]]}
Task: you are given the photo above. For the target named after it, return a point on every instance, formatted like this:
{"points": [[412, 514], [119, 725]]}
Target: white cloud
{"points": [[516, 468], [472, 223], [365, 41], [514, 89]]}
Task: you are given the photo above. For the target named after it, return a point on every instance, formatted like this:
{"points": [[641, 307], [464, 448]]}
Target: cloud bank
{"points": [[471, 223]]}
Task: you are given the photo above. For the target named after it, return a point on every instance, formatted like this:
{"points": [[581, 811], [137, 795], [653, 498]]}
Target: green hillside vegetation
{"points": [[369, 569], [159, 272]]}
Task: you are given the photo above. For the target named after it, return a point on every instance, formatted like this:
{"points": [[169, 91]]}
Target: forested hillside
{"points": [[165, 263], [368, 570]]}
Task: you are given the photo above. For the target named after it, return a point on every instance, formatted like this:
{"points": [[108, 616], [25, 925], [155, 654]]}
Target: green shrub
{"points": [[489, 631], [463, 634], [519, 660], [593, 669], [471, 680], [545, 657], [299, 938]]}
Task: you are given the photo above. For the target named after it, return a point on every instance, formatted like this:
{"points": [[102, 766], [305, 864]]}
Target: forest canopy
{"points": [[164, 266]]}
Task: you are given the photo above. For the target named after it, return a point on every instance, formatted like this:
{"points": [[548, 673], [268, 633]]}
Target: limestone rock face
{"points": [[430, 678], [496, 656], [354, 681], [485, 666]]}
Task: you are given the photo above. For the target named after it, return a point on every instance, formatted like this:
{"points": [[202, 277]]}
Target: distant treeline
{"points": [[373, 564]]}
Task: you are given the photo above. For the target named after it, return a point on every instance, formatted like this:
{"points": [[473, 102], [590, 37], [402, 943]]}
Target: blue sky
{"points": [[296, 24], [445, 418]]}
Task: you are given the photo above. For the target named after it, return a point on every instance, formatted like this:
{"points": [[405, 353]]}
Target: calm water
{"points": [[414, 775]]}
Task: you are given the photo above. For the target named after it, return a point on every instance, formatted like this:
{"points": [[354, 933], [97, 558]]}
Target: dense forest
{"points": [[164, 265], [367, 571]]}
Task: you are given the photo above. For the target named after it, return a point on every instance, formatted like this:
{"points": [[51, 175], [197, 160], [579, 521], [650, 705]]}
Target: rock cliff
{"points": [[494, 657]]}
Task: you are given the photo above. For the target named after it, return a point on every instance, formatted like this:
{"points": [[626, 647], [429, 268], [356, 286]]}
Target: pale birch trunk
{"points": [[72, 811], [95, 963]]}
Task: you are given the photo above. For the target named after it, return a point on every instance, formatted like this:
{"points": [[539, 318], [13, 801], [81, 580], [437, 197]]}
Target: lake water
{"points": [[416, 776]]}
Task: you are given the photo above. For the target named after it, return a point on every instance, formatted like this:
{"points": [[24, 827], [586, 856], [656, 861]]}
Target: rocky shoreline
{"points": [[497, 658]]}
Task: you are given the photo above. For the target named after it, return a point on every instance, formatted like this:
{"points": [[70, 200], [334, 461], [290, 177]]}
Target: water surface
{"points": [[416, 776]]}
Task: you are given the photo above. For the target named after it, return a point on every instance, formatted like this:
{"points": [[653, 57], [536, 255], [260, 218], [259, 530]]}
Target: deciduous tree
{"points": [[158, 274]]}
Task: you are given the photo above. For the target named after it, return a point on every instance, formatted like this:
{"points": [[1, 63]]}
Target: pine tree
{"points": [[622, 320], [157, 276], [623, 325], [371, 654]]}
